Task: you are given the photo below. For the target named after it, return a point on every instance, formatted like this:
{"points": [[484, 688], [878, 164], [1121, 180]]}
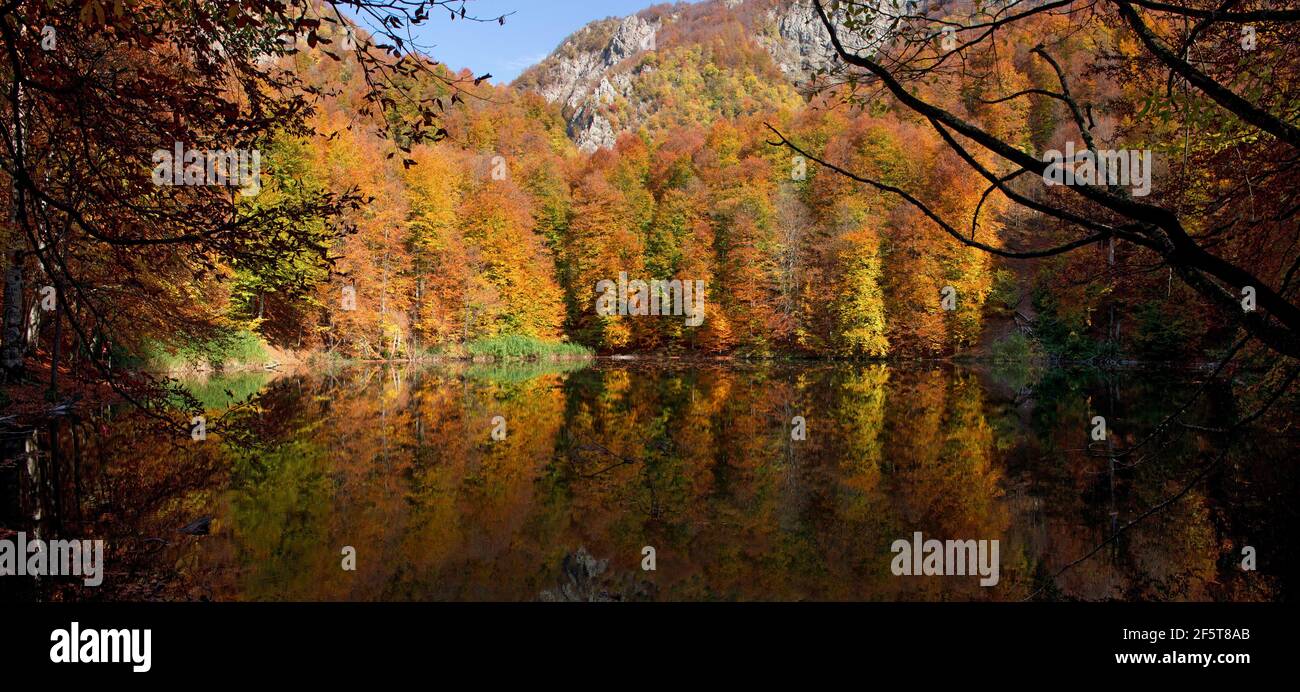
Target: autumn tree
{"points": [[94, 91], [1213, 240]]}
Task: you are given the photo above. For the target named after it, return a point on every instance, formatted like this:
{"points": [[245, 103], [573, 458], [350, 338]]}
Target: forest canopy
{"points": [[402, 210]]}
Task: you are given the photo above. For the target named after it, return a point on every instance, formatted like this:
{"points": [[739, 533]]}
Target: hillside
{"points": [[639, 148], [640, 152], [672, 65]]}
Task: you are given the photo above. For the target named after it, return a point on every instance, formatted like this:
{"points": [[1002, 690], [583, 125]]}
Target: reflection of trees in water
{"points": [[1139, 515], [82, 478], [696, 461]]}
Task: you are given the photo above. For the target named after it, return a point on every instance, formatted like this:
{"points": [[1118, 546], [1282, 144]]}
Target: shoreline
{"points": [[316, 359]]}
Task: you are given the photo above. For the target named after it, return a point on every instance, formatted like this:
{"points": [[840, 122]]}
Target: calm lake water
{"points": [[600, 460]]}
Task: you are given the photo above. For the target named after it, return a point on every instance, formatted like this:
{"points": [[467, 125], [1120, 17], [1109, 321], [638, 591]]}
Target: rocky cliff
{"points": [[680, 63]]}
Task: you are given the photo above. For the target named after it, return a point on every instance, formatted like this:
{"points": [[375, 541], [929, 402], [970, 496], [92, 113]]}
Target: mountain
{"points": [[678, 64]]}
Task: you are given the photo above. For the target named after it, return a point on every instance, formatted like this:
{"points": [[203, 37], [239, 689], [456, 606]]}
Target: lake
{"points": [[749, 481]]}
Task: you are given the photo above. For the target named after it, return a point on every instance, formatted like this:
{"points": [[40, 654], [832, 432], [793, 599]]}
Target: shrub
{"points": [[524, 348]]}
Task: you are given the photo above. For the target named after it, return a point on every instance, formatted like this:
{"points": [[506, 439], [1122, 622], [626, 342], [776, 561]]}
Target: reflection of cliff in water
{"points": [[584, 579], [694, 459]]}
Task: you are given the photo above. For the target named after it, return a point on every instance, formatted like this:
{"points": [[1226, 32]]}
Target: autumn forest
{"points": [[765, 286]]}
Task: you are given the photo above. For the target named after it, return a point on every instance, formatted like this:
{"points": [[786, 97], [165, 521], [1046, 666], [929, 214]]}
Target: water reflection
{"points": [[697, 461]]}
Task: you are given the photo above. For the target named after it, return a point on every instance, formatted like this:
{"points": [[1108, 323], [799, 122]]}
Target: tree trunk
{"points": [[54, 347], [15, 345]]}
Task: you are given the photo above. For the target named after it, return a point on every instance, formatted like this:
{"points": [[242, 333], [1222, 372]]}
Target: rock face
{"points": [[800, 45], [604, 63], [582, 74]]}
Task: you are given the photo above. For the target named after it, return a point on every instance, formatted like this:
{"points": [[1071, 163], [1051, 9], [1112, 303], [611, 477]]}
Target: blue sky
{"points": [[529, 35]]}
